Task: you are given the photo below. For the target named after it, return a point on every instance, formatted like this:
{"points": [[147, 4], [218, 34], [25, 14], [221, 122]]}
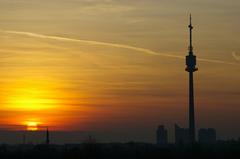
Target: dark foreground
{"points": [[120, 151]]}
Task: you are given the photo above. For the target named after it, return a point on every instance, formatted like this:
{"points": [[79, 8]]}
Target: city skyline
{"points": [[66, 67]]}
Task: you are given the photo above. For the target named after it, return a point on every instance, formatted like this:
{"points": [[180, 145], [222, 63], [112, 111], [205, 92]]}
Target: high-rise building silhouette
{"points": [[207, 136], [191, 68], [181, 135], [162, 135]]}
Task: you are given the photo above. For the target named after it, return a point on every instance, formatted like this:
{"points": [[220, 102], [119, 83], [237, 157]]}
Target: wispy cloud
{"points": [[236, 56], [123, 46]]}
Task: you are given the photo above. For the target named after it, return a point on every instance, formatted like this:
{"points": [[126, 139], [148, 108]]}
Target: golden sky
{"points": [[103, 65]]}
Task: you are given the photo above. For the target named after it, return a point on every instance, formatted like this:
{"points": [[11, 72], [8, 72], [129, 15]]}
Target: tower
{"points": [[47, 137], [191, 68]]}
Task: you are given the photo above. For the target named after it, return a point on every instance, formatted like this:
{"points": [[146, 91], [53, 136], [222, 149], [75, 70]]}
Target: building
{"points": [[162, 135], [207, 136], [181, 135]]}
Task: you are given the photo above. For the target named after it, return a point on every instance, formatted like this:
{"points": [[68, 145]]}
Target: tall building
{"points": [[162, 135], [207, 136], [181, 135], [191, 68]]}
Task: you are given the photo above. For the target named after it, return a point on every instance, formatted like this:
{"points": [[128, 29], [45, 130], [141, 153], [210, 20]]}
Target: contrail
{"points": [[92, 43], [143, 50], [237, 57]]}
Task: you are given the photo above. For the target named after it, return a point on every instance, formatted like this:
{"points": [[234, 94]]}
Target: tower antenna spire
{"points": [[190, 31]]}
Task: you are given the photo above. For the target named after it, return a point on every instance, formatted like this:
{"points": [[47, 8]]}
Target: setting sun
{"points": [[32, 126]]}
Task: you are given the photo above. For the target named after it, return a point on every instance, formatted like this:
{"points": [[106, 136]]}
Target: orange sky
{"points": [[104, 65]]}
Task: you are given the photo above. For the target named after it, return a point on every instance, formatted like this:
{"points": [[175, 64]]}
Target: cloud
{"points": [[236, 56], [123, 46]]}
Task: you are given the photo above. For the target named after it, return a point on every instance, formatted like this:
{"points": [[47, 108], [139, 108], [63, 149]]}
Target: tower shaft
{"points": [[192, 133]]}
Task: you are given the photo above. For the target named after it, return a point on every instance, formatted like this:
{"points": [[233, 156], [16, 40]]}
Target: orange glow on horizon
{"points": [[32, 101], [28, 99]]}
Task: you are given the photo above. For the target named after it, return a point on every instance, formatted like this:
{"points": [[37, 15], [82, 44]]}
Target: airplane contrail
{"points": [[235, 56], [91, 42], [143, 50]]}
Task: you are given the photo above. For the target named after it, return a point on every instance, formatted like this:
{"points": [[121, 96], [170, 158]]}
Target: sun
{"points": [[32, 126]]}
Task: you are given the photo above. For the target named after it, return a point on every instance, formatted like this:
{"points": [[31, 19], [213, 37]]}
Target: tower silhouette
{"points": [[47, 137], [191, 68]]}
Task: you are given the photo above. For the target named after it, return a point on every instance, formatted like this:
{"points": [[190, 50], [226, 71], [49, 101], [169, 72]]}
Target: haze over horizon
{"points": [[117, 66]]}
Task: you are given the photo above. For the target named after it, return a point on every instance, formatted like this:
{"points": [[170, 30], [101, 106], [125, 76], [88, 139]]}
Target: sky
{"points": [[117, 67]]}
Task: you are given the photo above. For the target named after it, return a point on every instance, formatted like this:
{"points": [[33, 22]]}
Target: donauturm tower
{"points": [[191, 68]]}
